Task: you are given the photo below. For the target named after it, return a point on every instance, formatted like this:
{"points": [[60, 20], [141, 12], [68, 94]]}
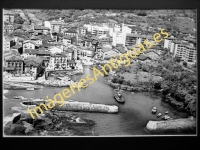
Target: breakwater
{"points": [[88, 107], [174, 125]]}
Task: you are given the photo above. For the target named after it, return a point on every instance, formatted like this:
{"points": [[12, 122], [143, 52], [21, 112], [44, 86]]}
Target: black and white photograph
{"points": [[99, 72]]}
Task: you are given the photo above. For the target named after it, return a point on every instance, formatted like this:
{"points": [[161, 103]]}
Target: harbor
{"points": [[131, 119]]}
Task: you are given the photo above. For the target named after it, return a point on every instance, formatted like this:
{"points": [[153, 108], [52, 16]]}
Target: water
{"points": [[131, 118]]}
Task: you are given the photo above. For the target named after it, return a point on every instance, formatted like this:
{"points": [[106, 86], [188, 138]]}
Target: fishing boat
{"points": [[119, 97], [30, 89], [166, 117], [154, 109], [17, 97], [159, 114]]}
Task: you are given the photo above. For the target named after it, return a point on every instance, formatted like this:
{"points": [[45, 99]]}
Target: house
{"points": [[6, 43], [45, 55], [83, 30], [28, 44], [36, 40], [8, 28], [54, 49], [71, 64], [121, 49], [54, 26], [119, 38], [67, 40], [42, 29], [8, 17], [57, 61], [71, 32], [29, 53], [14, 64], [33, 66]]}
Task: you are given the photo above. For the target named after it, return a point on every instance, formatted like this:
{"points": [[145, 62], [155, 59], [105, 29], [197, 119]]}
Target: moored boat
{"points": [[30, 89], [119, 97]]}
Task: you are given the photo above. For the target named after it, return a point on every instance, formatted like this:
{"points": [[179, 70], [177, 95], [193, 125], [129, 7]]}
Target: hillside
{"points": [[182, 20]]}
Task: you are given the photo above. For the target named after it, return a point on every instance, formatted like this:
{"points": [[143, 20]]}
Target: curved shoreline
{"points": [[4, 92]]}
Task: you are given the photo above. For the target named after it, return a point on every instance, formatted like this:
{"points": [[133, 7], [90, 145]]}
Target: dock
{"points": [[87, 107]]}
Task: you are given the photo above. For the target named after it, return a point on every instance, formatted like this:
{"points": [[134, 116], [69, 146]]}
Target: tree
{"points": [[177, 59], [185, 64]]}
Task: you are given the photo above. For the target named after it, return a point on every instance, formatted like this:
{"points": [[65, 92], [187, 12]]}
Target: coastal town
{"points": [[47, 51]]}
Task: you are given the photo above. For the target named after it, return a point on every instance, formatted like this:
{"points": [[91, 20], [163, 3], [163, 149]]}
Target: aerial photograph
{"points": [[99, 72]]}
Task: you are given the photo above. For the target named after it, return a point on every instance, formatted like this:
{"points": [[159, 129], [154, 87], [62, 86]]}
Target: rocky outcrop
{"points": [[175, 125], [52, 122]]}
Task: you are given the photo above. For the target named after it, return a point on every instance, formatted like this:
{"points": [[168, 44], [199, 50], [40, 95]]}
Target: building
{"points": [[168, 42], [97, 30], [126, 29], [45, 55], [54, 49], [6, 43], [67, 40], [119, 38], [14, 64], [33, 66], [71, 32], [186, 52], [8, 28], [36, 40], [28, 44], [42, 29], [54, 26], [8, 17], [29, 53], [57, 61], [83, 30]]}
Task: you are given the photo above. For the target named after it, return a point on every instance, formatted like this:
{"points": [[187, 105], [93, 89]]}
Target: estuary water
{"points": [[131, 118]]}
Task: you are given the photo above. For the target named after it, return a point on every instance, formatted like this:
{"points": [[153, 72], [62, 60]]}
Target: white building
{"points": [[185, 51], [119, 38], [29, 44], [55, 49]]}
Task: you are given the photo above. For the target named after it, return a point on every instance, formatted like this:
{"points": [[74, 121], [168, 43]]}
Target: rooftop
{"points": [[30, 51], [34, 61]]}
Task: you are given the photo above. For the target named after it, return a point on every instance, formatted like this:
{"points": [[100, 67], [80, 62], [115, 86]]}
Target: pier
{"points": [[88, 107]]}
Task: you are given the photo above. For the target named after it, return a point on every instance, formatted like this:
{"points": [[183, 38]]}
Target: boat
{"points": [[132, 93], [166, 117], [159, 114], [166, 112], [119, 97], [153, 111], [30, 89], [17, 97]]}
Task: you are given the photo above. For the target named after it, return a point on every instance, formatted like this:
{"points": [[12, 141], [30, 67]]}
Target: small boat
{"points": [[166, 112], [17, 97], [154, 110], [166, 117], [119, 97], [132, 93], [30, 89], [159, 114]]}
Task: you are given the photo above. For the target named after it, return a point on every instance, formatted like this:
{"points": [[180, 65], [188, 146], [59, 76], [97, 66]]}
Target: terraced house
{"points": [[57, 61], [14, 64], [33, 66]]}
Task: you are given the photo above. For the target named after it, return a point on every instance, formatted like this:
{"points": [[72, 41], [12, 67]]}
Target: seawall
{"points": [[174, 125], [88, 107]]}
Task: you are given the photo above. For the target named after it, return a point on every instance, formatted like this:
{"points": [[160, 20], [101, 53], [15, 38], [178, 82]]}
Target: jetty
{"points": [[86, 106], [174, 125]]}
